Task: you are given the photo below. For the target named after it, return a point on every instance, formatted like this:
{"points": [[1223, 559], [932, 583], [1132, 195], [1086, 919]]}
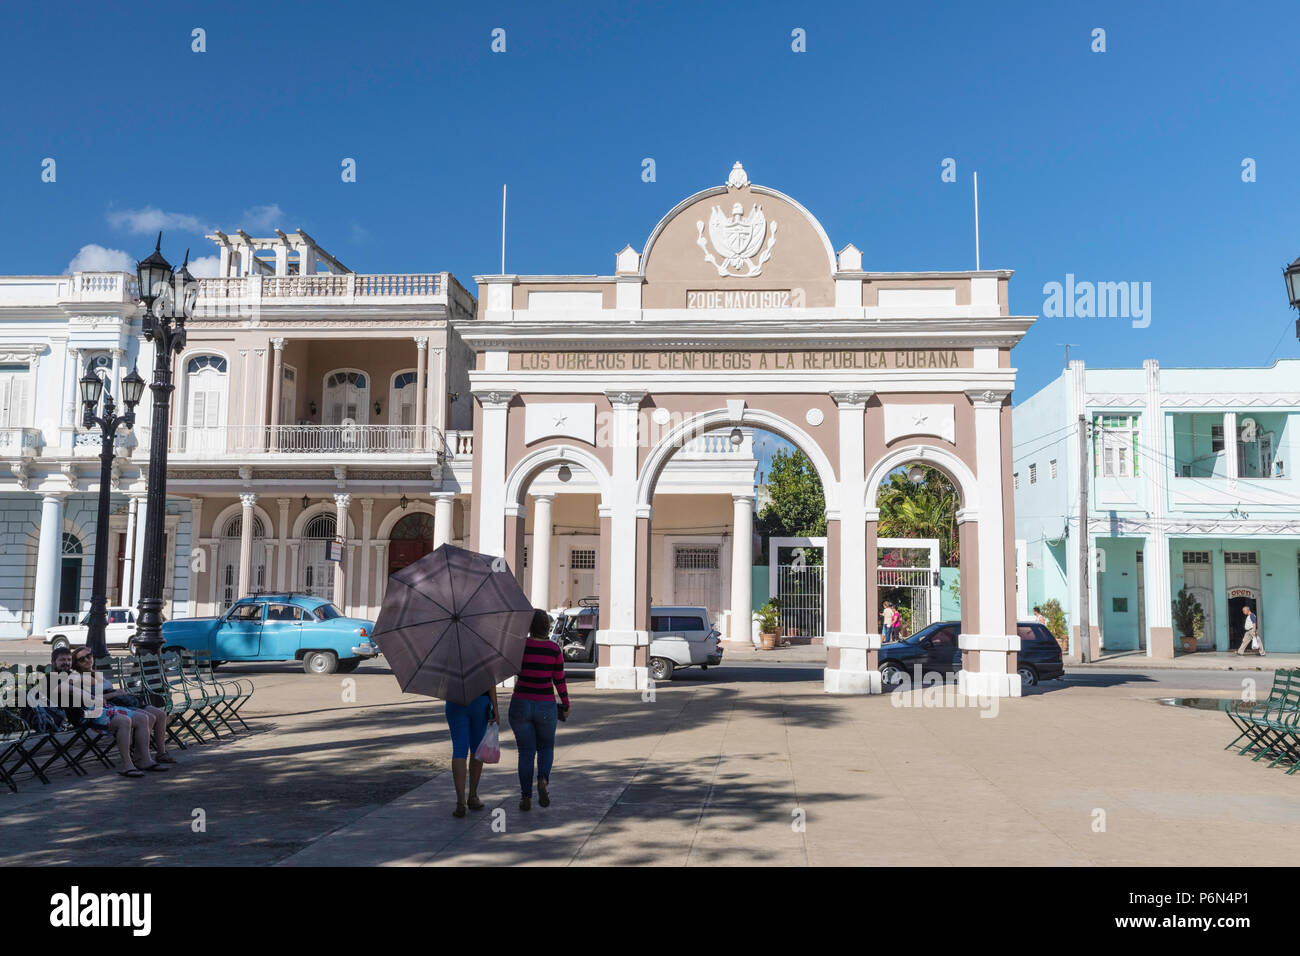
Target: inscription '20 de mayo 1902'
{"points": [[740, 361]]}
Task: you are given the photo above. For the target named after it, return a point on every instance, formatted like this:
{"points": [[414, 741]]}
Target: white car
{"points": [[680, 636], [120, 631]]}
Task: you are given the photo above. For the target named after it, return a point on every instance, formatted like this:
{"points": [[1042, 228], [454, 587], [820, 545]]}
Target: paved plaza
{"points": [[743, 764]]}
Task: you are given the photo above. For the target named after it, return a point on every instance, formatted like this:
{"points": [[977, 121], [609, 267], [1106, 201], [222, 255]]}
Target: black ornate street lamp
{"points": [[92, 388], [174, 294], [1291, 274]]}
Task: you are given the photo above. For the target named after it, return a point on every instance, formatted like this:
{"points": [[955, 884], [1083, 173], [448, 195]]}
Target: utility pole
{"points": [[1085, 555]]}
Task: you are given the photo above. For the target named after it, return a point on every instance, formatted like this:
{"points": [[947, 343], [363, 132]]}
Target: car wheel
{"points": [[60, 644], [347, 667], [661, 669], [320, 662], [133, 648], [1028, 676], [893, 677]]}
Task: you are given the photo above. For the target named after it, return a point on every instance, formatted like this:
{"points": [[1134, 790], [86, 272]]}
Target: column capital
{"points": [[277, 343], [283, 503], [439, 496], [421, 342], [57, 496], [852, 399], [547, 498], [342, 499], [625, 398], [987, 397], [247, 499], [497, 398], [367, 505], [737, 498]]}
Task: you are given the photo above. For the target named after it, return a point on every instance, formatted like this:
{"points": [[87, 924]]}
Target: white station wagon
{"points": [[120, 631], [680, 636]]}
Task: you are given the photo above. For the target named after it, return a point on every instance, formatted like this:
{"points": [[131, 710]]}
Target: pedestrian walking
{"points": [[468, 723], [533, 712], [887, 623], [1039, 616], [1251, 636]]}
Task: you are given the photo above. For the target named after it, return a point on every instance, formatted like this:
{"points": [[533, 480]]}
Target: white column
{"points": [[1156, 583], [620, 633], [491, 489], [855, 638], [341, 502], [1230, 443], [115, 375], [541, 556], [70, 394], [437, 389], [381, 560], [128, 559], [141, 541], [992, 641], [49, 560], [367, 511], [277, 380], [742, 567], [196, 523], [292, 583], [442, 505], [214, 555], [281, 582], [246, 502], [421, 362]]}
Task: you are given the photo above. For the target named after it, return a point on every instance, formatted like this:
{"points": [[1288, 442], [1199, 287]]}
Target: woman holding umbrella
{"points": [[533, 713]]}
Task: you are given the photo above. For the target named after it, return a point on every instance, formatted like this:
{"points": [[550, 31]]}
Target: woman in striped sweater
{"points": [[533, 713]]}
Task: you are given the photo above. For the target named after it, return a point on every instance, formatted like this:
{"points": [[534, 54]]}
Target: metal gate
{"points": [[918, 582], [798, 583]]}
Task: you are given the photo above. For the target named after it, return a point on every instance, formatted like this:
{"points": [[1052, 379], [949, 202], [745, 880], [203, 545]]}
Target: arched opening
{"points": [[347, 398], [70, 579], [316, 576], [751, 499], [915, 593], [410, 540], [228, 562]]}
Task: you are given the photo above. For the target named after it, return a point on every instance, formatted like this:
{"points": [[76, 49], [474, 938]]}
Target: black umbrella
{"points": [[453, 624]]}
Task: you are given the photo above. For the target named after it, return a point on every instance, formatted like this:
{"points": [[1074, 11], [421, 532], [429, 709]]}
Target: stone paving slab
{"points": [[710, 772]]}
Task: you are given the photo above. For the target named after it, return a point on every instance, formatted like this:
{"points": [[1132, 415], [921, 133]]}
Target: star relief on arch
{"points": [[737, 238]]}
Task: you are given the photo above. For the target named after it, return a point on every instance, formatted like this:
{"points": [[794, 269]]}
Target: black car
{"points": [[935, 649]]}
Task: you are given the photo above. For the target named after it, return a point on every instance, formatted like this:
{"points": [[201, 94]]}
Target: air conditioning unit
{"points": [[1101, 561]]}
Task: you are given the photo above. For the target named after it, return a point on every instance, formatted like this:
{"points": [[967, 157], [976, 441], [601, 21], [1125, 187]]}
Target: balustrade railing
{"points": [[323, 285], [307, 439], [20, 442]]}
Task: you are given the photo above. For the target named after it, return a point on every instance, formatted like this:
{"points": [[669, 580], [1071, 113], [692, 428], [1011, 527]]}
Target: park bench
{"points": [[22, 745], [1269, 727]]}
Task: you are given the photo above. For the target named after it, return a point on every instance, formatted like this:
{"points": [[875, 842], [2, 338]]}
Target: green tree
{"points": [[927, 509], [798, 504]]}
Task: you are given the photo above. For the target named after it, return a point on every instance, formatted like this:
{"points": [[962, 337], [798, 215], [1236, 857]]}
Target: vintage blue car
{"points": [[278, 627]]}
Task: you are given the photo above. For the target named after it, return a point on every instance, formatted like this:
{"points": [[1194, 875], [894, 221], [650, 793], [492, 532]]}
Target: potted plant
{"points": [[769, 623], [1189, 619]]}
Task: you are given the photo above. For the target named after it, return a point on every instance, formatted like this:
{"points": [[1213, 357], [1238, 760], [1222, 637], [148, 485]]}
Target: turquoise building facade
{"points": [[1191, 485]]}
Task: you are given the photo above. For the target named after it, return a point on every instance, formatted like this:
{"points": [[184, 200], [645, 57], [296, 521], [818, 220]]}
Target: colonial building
{"points": [[313, 405], [1190, 486], [737, 314]]}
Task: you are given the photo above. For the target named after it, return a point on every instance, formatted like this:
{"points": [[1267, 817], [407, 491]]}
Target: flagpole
{"points": [[503, 228], [976, 177]]}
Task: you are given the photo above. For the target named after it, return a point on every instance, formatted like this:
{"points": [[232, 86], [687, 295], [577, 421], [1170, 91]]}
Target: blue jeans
{"points": [[533, 723], [467, 723]]}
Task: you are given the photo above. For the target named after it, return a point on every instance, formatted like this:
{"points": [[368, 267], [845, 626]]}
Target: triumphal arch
{"points": [[737, 314]]}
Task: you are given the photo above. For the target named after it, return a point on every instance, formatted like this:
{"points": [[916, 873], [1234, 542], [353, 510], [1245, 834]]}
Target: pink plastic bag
{"points": [[489, 748]]}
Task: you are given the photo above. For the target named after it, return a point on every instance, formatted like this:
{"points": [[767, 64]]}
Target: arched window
{"points": [[71, 544], [205, 402], [70, 579], [235, 527], [317, 575], [404, 400], [347, 397], [229, 564]]}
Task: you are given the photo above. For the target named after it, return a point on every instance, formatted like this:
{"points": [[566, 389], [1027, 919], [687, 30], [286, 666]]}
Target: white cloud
{"points": [[151, 219], [93, 258], [263, 218], [205, 267]]}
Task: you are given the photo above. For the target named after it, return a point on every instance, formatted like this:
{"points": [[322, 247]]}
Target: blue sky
{"points": [[1115, 166]]}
